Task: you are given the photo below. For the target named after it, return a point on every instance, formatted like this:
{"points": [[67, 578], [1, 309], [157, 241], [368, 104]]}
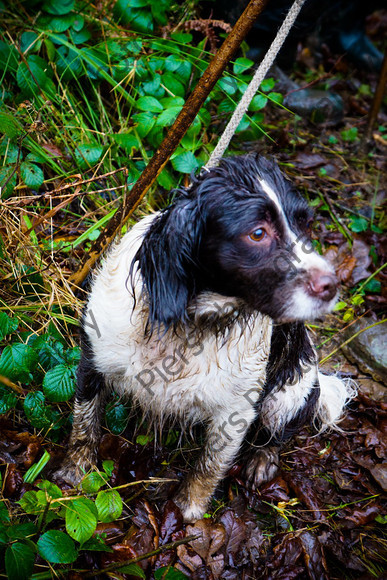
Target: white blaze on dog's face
{"points": [[256, 245], [317, 295]]}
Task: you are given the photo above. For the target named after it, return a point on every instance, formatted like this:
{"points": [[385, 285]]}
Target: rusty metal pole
{"points": [[174, 136]]}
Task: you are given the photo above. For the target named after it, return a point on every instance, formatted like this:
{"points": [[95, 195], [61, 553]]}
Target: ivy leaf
{"points": [[19, 561], [8, 400], [31, 174], [149, 104], [17, 361], [88, 154], [81, 519], [57, 547], [185, 162], [109, 505], [241, 65], [59, 383]]}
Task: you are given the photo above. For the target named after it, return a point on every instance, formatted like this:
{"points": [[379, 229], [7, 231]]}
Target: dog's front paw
{"points": [[72, 471], [262, 466], [192, 509]]}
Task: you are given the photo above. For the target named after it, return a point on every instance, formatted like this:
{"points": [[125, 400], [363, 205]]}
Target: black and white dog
{"points": [[197, 315]]}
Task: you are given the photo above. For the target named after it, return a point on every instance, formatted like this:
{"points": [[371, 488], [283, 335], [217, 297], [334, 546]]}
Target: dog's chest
{"points": [[199, 376]]}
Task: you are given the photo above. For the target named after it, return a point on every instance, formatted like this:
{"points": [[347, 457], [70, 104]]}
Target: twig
{"points": [[11, 384], [118, 565]]}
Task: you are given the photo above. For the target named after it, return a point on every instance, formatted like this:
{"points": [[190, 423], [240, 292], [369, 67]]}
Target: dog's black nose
{"points": [[322, 285]]}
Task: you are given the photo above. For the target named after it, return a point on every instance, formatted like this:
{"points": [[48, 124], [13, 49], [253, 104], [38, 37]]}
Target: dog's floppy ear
{"points": [[168, 261]]}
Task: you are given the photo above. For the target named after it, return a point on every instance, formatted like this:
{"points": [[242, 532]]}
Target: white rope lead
{"points": [[255, 82]]}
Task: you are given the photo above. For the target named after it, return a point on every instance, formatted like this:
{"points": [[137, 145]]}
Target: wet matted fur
{"points": [[197, 315]]}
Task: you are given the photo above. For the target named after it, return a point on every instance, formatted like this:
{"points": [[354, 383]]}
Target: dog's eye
{"points": [[258, 235]]}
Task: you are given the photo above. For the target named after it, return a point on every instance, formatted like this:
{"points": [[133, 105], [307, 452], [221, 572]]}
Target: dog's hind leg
{"points": [[88, 408]]}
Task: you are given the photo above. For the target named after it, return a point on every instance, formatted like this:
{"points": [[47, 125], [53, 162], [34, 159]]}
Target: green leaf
{"points": [[33, 472], [173, 84], [61, 23], [17, 361], [149, 104], [139, 19], [144, 439], [228, 85], [109, 505], [108, 466], [59, 383], [358, 224], [96, 544], [241, 65], [52, 490], [81, 519], [57, 547], [267, 85], [88, 154], [339, 306], [31, 174], [7, 325], [19, 561], [168, 573], [144, 123], [92, 482], [373, 286], [276, 98], [10, 126], [36, 410], [116, 417], [32, 75], [8, 179], [55, 7], [127, 141], [21, 531], [8, 400], [185, 162], [350, 135], [258, 103], [168, 116], [132, 570], [29, 502]]}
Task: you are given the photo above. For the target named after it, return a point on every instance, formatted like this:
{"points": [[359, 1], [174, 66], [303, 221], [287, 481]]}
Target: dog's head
{"points": [[240, 230]]}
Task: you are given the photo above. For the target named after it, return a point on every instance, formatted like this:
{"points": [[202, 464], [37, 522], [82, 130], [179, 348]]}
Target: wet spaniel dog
{"points": [[198, 313]]}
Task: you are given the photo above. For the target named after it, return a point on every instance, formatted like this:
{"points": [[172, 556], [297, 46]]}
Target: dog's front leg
{"points": [[223, 441], [82, 448]]}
